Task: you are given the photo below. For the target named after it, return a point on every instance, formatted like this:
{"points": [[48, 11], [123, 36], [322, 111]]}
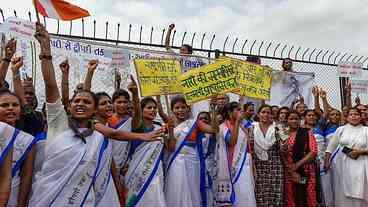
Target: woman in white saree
{"points": [[145, 175], [233, 148], [104, 112], [77, 166], [185, 184], [6, 152], [23, 148], [350, 162]]}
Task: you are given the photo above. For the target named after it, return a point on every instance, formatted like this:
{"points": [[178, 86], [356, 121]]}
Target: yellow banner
{"points": [[254, 80], [208, 80], [158, 76]]}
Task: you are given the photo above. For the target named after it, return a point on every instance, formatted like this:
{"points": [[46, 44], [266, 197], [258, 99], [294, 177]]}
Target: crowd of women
{"points": [[96, 150]]}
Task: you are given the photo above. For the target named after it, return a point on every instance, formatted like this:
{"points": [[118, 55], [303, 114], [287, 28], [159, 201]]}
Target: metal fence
{"points": [[319, 61]]}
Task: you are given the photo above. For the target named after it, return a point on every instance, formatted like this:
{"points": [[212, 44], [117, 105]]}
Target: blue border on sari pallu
{"points": [[318, 131], [148, 182], [323, 172], [41, 136], [232, 196], [202, 163], [335, 153], [9, 146], [136, 147], [108, 179], [329, 131], [102, 150], [211, 146], [247, 123], [181, 146], [19, 163], [68, 180], [242, 165], [121, 123]]}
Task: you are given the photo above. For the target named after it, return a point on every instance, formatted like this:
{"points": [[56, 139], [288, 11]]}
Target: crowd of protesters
{"points": [[97, 149]]}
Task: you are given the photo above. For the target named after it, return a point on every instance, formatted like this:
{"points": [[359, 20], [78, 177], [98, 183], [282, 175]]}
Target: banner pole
{"points": [[37, 14]]}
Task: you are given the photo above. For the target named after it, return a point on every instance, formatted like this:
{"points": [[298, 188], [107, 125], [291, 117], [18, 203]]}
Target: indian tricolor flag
{"points": [[59, 9]]}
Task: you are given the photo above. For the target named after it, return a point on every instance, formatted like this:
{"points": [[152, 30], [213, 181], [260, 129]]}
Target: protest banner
{"points": [[158, 76], [111, 58], [350, 70], [254, 80], [289, 86], [19, 28], [359, 86], [208, 80]]}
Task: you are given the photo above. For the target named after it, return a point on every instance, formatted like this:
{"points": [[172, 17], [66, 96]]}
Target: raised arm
{"points": [[92, 65], [168, 36], [10, 49], [161, 111], [64, 67], [117, 80], [17, 63], [348, 95], [132, 87], [214, 119], [317, 107], [326, 105], [48, 72], [170, 143]]}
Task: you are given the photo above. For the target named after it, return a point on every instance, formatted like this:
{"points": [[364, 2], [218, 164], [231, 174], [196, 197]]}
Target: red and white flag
{"points": [[59, 9]]}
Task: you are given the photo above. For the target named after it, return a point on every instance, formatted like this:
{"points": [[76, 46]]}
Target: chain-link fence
{"points": [[323, 63]]}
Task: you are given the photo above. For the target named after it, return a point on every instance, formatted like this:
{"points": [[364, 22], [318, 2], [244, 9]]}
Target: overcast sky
{"points": [[339, 25]]}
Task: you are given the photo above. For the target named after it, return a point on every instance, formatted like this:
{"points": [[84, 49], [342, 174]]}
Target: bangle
{"points": [[7, 60], [45, 57]]}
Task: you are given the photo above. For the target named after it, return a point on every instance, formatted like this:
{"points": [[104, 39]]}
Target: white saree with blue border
{"points": [[241, 170], [185, 184], [7, 139], [75, 173], [145, 176], [22, 146]]}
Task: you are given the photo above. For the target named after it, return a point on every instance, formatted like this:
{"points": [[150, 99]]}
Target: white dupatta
{"points": [[7, 139], [22, 146], [354, 172], [120, 149], [185, 172], [143, 167], [69, 172], [181, 132], [225, 194], [263, 143]]}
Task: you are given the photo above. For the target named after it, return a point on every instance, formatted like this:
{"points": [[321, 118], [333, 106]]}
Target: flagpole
{"points": [[37, 14]]}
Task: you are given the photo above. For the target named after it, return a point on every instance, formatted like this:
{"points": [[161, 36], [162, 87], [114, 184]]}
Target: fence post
{"points": [[343, 82], [217, 53]]}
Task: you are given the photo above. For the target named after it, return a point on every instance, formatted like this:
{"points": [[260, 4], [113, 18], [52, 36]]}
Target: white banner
{"points": [[287, 87], [359, 86], [350, 70]]}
